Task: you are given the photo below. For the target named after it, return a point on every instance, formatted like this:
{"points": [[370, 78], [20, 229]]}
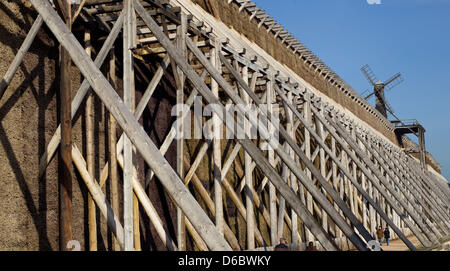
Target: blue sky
{"points": [[407, 36]]}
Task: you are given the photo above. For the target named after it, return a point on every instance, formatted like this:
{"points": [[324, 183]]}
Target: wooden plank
{"points": [[128, 98], [112, 159]]}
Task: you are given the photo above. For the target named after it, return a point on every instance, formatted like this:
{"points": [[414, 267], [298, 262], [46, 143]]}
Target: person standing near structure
{"points": [[380, 235], [282, 246], [387, 235], [311, 247]]}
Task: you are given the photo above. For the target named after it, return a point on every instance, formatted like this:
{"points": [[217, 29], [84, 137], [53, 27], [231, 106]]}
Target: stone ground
{"points": [[398, 245]]}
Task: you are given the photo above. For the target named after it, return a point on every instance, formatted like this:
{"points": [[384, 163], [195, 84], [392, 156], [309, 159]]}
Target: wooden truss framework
{"points": [[327, 179]]}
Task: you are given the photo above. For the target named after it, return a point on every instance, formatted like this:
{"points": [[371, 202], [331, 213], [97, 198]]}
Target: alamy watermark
{"points": [[241, 121], [374, 2]]}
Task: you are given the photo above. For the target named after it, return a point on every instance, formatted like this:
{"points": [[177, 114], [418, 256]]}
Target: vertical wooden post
{"points": [[248, 172], [65, 182], [423, 153], [133, 42], [373, 225], [341, 181], [380, 201], [321, 133], [217, 158], [355, 176], [335, 178], [128, 93], [89, 115], [281, 201], [292, 178], [112, 139], [286, 173], [364, 186], [136, 231], [181, 45], [307, 117], [271, 154], [348, 183]]}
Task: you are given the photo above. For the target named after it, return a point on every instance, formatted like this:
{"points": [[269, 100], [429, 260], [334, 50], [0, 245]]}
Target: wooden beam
{"points": [[128, 98], [98, 196], [6, 80], [79, 97], [308, 121], [270, 98], [181, 45]]}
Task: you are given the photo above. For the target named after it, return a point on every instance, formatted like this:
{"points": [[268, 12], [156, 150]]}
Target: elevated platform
{"points": [[412, 126]]}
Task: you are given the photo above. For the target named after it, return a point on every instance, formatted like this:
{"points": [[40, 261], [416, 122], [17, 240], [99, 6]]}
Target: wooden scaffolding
{"points": [[325, 178]]}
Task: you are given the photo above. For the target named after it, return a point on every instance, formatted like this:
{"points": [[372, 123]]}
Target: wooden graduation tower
{"points": [[332, 175]]}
